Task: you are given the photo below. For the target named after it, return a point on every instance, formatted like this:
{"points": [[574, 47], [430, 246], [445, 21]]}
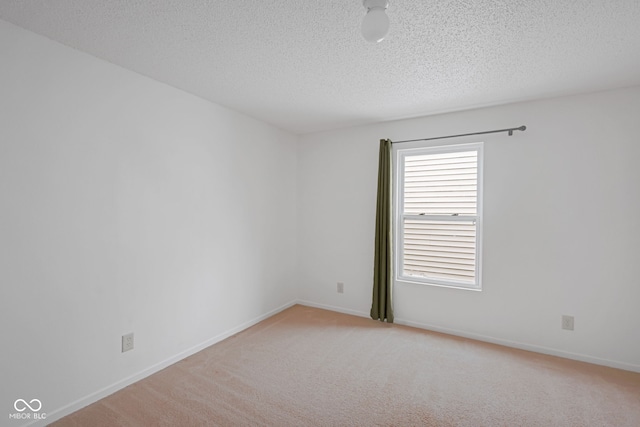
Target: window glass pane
{"points": [[441, 184], [440, 249]]}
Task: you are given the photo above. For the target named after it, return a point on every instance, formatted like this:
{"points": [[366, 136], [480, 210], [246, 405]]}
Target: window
{"points": [[438, 215]]}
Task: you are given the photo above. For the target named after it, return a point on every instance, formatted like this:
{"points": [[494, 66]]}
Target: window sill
{"points": [[407, 281]]}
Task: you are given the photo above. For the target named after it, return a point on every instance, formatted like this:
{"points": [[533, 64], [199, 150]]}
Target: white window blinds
{"points": [[441, 184], [438, 225]]}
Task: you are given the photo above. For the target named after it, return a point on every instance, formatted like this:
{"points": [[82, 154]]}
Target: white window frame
{"points": [[400, 152]]}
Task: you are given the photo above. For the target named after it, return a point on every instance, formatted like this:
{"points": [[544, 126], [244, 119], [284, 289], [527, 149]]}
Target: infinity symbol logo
{"points": [[26, 405]]}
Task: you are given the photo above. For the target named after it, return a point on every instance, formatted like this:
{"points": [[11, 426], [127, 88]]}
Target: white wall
{"points": [[127, 206], [561, 226]]}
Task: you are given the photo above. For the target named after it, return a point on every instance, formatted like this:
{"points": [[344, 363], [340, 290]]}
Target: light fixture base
{"points": [[375, 4]]}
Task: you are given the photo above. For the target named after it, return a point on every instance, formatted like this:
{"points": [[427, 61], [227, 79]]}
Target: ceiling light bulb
{"points": [[375, 24]]}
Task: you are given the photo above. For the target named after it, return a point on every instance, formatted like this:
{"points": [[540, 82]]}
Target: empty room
{"points": [[319, 213]]}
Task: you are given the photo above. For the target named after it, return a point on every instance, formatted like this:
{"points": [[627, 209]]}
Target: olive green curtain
{"points": [[382, 306]]}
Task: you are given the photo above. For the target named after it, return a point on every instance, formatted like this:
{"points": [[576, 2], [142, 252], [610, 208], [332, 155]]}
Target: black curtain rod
{"points": [[510, 130]]}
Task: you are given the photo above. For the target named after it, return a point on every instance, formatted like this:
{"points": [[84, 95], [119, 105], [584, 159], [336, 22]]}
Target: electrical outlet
{"points": [[127, 342], [340, 288], [567, 323]]}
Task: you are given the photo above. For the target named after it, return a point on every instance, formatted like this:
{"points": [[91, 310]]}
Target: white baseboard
{"points": [[100, 394], [334, 308], [523, 346], [485, 338]]}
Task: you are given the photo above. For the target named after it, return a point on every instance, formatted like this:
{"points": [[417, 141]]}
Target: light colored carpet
{"points": [[311, 367]]}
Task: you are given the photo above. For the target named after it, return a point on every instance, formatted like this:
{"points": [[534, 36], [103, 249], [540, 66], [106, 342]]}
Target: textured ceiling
{"points": [[303, 66]]}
